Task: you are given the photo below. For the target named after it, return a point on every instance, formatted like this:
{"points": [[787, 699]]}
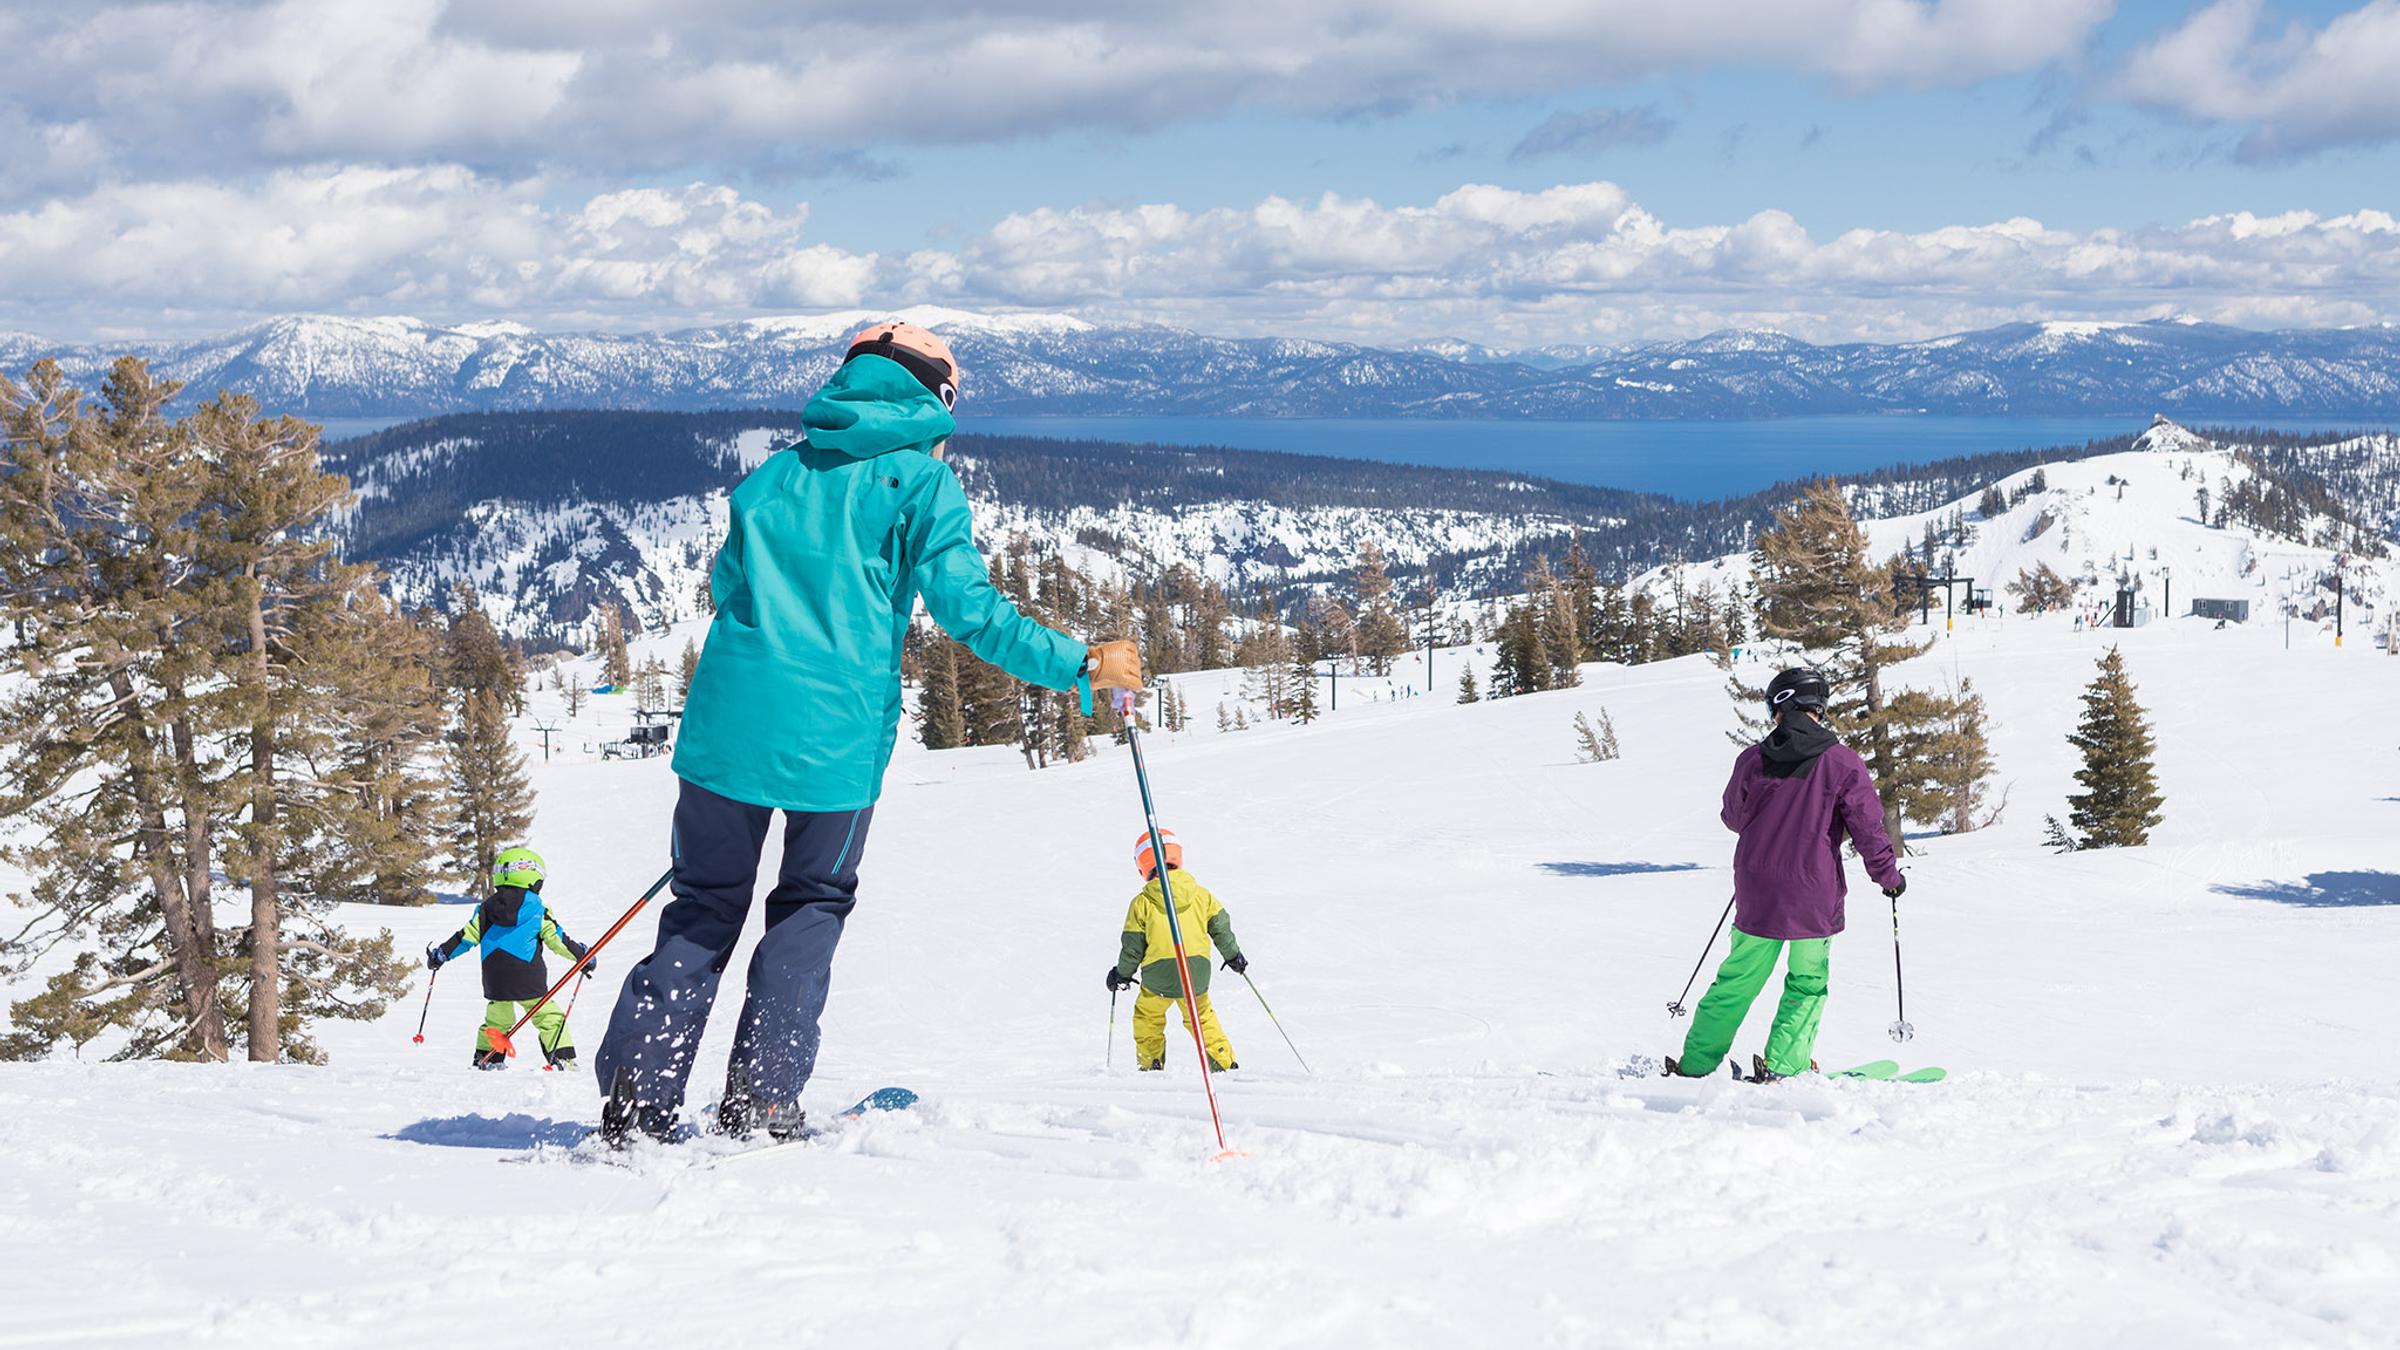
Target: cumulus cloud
{"points": [[610, 84], [2302, 89], [1593, 131], [438, 240], [1579, 261]]}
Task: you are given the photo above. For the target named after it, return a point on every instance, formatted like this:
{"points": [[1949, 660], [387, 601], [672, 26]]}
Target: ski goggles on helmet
{"points": [[935, 374]]}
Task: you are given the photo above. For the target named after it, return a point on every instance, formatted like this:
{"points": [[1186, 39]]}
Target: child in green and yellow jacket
{"points": [[1149, 948]]}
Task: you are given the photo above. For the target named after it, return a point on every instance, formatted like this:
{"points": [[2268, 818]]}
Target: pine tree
{"points": [[476, 658], [1380, 634], [616, 660], [690, 669], [1595, 745], [2120, 801], [1466, 686], [577, 696], [1224, 720], [1821, 592], [1303, 685], [941, 717], [1941, 742], [491, 799]]}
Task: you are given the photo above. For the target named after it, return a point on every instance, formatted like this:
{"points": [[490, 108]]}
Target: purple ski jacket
{"points": [[1791, 799]]}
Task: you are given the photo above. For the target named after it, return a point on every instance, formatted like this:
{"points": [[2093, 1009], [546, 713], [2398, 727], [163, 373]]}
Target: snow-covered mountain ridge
{"points": [[2134, 519], [549, 514], [327, 366]]}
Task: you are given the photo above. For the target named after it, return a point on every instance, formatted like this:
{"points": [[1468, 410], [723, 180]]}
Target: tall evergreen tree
{"points": [[941, 716], [2120, 800], [689, 668], [1466, 685], [1381, 637], [491, 799], [1303, 686], [616, 659], [1821, 592]]}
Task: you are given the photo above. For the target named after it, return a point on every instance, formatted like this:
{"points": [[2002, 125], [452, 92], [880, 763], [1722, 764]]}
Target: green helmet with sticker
{"points": [[520, 867]]}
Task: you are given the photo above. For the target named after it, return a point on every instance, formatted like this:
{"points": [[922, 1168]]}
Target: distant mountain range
{"points": [[1053, 364]]}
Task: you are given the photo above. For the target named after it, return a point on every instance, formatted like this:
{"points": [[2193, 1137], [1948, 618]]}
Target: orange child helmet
{"points": [[1147, 863], [924, 355]]}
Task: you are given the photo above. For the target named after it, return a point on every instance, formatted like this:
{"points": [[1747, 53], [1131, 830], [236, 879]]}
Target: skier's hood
{"points": [[1797, 740], [873, 406]]}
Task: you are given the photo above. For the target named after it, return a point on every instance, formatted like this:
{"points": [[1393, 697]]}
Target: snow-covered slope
{"points": [[329, 366], [2134, 519], [2173, 1120]]}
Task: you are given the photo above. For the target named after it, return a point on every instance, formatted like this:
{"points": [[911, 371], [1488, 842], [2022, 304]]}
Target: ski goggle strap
{"points": [[936, 376]]}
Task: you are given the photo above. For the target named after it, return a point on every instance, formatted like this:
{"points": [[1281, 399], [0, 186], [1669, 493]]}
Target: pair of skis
{"points": [[1876, 1071]]}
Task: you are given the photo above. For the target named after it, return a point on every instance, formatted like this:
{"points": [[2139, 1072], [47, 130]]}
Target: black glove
{"points": [[1117, 981], [1238, 964], [1895, 892], [590, 968], [433, 956]]}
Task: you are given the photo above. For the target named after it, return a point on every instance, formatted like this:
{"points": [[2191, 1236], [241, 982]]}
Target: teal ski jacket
{"points": [[796, 704]]}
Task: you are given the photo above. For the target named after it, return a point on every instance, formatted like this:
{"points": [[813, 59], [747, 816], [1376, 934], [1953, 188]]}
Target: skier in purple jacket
{"points": [[1792, 798]]}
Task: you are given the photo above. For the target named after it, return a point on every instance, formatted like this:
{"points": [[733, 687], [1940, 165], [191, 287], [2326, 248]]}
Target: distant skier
{"points": [[1148, 947], [511, 927], [795, 707], [1792, 798]]}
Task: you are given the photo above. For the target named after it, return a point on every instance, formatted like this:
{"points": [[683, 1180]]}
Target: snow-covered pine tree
{"points": [[490, 798], [1466, 686], [1224, 720], [2120, 801]]}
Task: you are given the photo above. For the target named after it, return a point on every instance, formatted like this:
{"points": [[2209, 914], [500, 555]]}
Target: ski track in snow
{"points": [[2173, 1117]]}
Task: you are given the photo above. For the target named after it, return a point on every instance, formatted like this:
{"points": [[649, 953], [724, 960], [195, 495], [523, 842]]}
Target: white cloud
{"points": [[650, 83], [1581, 261], [2292, 92], [438, 240]]}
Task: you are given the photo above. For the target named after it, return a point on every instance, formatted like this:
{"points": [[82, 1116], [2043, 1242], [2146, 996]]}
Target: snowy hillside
{"points": [[2172, 1120], [2133, 519], [328, 366]]}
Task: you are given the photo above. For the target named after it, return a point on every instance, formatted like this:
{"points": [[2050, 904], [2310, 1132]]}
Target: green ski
{"points": [[1927, 1075], [1876, 1069]]}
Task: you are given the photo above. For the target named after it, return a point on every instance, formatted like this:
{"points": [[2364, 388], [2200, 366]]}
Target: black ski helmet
{"points": [[1800, 687]]}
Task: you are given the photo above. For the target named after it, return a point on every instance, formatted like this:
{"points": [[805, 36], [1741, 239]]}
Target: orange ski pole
{"points": [[503, 1041], [1183, 965]]}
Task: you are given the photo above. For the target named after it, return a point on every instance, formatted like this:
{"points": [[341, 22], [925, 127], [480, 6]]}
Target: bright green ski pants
{"points": [[1794, 1037]]}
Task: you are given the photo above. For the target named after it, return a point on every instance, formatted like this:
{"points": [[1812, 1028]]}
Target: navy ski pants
{"points": [[655, 1030]]}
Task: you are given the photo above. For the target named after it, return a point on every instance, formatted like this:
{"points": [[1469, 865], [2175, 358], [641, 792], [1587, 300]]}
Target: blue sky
{"points": [[1594, 171]]}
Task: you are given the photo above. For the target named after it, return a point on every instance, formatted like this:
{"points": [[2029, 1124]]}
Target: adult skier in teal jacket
{"points": [[796, 707]]}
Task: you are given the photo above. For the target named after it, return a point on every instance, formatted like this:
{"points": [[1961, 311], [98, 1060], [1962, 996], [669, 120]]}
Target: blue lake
{"points": [[1691, 460]]}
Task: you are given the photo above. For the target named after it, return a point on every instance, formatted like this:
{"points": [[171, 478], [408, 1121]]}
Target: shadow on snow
{"points": [[2325, 890], [515, 1131], [1613, 869]]}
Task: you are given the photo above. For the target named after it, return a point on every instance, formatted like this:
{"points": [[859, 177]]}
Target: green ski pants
{"points": [[549, 1025], [1794, 1037]]}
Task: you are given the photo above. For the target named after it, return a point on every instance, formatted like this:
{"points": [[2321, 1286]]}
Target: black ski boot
{"points": [[622, 1116], [490, 1059]]}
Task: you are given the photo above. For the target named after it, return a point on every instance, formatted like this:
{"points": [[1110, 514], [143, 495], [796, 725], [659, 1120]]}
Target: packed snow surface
{"points": [[2172, 1118]]}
